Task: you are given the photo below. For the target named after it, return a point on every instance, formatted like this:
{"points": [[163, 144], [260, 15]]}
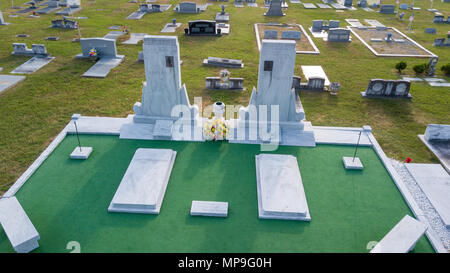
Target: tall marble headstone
{"points": [[162, 91], [275, 9], [275, 76]]}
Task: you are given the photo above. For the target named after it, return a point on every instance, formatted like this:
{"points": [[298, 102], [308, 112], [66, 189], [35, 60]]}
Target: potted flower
{"points": [[93, 54]]}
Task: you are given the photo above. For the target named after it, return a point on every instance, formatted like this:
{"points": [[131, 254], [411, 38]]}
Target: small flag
{"points": [[411, 18]]}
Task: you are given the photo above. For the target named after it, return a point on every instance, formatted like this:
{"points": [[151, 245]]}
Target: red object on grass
{"points": [[408, 160]]}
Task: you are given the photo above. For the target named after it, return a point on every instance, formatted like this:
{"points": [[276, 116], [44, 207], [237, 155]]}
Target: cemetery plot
{"points": [[304, 45], [400, 44]]}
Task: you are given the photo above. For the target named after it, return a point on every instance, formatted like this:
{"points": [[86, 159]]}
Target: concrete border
{"points": [[393, 55], [407, 196], [311, 42]]}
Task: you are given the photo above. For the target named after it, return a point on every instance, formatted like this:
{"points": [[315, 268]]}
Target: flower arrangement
{"points": [[215, 129], [93, 53]]}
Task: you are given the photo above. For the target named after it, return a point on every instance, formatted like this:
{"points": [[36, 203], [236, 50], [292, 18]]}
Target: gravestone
{"points": [[430, 30], [387, 9], [2, 20], [222, 16], [346, 3], [160, 97], [404, 6], [438, 19], [338, 35], [222, 62], [362, 3], [202, 28], [21, 49], [187, 7], [270, 34], [275, 9], [333, 24], [294, 35], [224, 82], [432, 66], [275, 79], [388, 37], [379, 88], [317, 25], [106, 54]]}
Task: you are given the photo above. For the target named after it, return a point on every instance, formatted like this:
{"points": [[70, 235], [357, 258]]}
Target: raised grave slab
{"points": [[135, 38], [145, 181], [280, 188], [223, 62], [103, 66], [209, 208], [8, 81], [18, 227], [435, 183], [32, 65], [323, 6], [402, 238], [309, 6], [170, 27], [315, 71]]}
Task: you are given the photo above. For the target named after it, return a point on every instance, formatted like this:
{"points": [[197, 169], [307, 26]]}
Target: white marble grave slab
{"points": [[309, 6], [18, 227], [311, 71], [144, 184], [103, 66], [323, 6], [209, 208], [8, 81], [280, 189], [354, 22], [32, 65], [169, 27], [374, 23], [440, 84], [435, 183], [402, 238], [135, 38]]}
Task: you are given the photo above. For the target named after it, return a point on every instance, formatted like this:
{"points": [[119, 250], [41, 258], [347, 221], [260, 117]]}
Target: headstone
{"points": [[430, 30], [432, 66], [105, 47], [439, 19], [338, 35], [39, 49], [294, 35], [21, 49], [222, 16], [404, 6], [387, 9], [202, 28], [162, 60], [333, 24], [388, 37], [275, 9], [187, 7], [317, 26], [222, 62], [362, 3], [437, 132], [388, 89], [275, 79], [270, 34]]}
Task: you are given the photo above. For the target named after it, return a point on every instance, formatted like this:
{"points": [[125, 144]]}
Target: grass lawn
{"points": [[33, 112], [67, 200]]}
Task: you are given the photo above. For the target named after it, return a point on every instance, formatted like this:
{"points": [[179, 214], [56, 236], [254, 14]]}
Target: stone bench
{"points": [[402, 238], [209, 208], [17, 226]]}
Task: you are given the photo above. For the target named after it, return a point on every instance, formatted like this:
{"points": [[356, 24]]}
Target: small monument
{"points": [[388, 37], [222, 16], [432, 64], [224, 82], [275, 9]]}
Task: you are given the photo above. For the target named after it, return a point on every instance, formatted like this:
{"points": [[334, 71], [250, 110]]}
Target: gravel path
{"points": [[424, 204]]}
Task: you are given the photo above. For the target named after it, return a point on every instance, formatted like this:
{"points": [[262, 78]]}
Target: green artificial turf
{"points": [[34, 111], [67, 200]]}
